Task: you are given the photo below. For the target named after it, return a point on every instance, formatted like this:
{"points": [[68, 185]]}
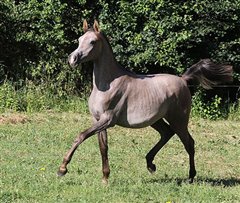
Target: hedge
{"points": [[152, 36]]}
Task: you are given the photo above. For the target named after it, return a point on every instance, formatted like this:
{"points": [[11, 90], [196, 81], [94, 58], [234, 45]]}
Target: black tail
{"points": [[208, 73]]}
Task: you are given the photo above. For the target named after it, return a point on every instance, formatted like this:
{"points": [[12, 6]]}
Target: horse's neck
{"points": [[106, 69]]}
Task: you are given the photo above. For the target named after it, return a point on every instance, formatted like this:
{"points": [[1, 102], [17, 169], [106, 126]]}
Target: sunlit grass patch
{"points": [[32, 151]]}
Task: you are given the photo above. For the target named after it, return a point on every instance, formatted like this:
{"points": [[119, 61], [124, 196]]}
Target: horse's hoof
{"points": [[192, 174], [105, 181], [62, 172], [151, 168], [190, 180]]}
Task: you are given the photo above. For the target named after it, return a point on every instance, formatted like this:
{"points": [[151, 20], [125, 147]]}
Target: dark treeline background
{"points": [[152, 36]]}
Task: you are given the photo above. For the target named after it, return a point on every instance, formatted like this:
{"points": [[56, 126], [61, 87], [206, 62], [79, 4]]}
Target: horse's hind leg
{"points": [[103, 145], [181, 129], [188, 143], [166, 133]]}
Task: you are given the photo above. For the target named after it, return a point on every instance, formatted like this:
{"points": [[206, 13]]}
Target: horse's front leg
{"points": [[99, 126], [103, 145]]}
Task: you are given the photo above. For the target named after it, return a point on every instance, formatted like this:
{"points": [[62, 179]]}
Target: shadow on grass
{"points": [[229, 182]]}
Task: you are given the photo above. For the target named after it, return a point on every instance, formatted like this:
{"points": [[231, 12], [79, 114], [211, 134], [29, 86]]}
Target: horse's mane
{"points": [[107, 40]]}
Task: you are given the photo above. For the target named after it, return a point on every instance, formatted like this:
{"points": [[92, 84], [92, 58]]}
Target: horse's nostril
{"points": [[75, 57], [80, 55]]}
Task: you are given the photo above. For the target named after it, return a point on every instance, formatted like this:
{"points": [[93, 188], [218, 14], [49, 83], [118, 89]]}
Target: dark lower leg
{"points": [[188, 143], [192, 171], [166, 133], [103, 145]]}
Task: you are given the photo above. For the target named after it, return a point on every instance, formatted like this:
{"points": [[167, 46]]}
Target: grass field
{"points": [[32, 147]]}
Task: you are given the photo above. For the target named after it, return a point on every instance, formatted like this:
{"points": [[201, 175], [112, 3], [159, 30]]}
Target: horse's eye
{"points": [[92, 42]]}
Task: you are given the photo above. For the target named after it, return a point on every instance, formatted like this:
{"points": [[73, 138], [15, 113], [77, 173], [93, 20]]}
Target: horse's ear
{"points": [[96, 26], [85, 26]]}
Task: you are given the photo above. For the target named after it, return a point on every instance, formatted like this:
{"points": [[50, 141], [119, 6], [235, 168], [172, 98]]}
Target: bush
{"points": [[210, 109], [9, 99], [147, 37], [234, 111], [169, 36], [35, 98]]}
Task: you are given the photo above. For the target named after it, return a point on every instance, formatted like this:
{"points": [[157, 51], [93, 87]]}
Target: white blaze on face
{"points": [[85, 45], [73, 56]]}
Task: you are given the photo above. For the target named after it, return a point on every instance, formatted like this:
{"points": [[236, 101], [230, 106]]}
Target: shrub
{"points": [[234, 111], [147, 36], [35, 98], [169, 36], [9, 99], [212, 109]]}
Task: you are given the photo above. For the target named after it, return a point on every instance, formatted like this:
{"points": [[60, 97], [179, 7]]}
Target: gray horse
{"points": [[120, 97]]}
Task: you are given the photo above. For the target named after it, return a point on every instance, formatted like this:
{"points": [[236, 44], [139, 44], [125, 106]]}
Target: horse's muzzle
{"points": [[74, 59]]}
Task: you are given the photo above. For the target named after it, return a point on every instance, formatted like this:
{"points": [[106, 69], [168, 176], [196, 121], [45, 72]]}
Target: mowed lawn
{"points": [[32, 147]]}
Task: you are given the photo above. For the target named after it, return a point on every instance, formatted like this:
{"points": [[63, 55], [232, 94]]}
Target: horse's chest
{"points": [[99, 103]]}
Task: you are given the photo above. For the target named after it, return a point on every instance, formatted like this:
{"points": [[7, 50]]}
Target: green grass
{"points": [[32, 147]]}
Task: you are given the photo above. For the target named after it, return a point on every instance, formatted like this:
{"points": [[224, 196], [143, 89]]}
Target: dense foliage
{"points": [[152, 36], [171, 35], [147, 36]]}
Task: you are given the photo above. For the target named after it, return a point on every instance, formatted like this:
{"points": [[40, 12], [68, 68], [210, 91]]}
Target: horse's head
{"points": [[89, 45]]}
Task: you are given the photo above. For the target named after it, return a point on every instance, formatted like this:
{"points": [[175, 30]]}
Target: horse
{"points": [[121, 97]]}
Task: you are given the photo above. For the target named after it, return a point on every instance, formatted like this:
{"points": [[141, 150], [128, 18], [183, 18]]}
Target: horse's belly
{"points": [[140, 117]]}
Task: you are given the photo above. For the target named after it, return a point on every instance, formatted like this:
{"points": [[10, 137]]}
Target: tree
{"points": [[147, 36]]}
